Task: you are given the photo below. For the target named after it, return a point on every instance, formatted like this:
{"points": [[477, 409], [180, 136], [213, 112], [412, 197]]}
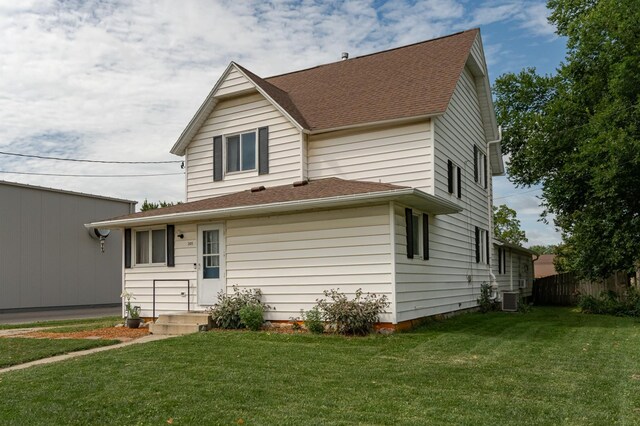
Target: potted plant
{"points": [[133, 312]]}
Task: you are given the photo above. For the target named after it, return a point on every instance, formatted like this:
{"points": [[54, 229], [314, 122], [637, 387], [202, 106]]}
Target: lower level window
{"points": [[416, 234], [151, 246]]}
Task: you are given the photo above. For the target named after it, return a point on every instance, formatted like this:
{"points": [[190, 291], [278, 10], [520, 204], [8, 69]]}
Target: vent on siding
{"points": [[510, 301]]}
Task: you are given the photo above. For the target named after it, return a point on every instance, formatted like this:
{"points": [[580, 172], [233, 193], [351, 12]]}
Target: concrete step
{"points": [[175, 329], [185, 318], [181, 323]]}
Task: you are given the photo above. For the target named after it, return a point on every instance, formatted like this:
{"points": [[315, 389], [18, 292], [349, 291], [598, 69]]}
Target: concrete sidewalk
{"points": [[57, 358], [58, 314]]}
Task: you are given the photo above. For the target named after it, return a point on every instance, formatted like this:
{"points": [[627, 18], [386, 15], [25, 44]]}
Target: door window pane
{"points": [[233, 153], [158, 246], [211, 254], [249, 151], [142, 247]]}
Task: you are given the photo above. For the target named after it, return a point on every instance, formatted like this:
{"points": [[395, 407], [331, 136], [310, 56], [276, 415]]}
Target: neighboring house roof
{"points": [[501, 243], [321, 193], [63, 191], [407, 82], [544, 267]]}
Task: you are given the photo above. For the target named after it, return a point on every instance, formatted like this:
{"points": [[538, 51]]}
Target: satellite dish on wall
{"points": [[100, 234]]}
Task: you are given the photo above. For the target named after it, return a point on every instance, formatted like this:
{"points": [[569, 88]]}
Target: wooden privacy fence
{"points": [[564, 289]]}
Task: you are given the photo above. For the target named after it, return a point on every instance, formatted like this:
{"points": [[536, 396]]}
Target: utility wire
{"points": [[517, 193], [42, 157], [91, 176]]}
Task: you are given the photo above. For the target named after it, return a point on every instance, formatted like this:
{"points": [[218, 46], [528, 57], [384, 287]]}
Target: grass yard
{"points": [[70, 323], [17, 350], [551, 366]]}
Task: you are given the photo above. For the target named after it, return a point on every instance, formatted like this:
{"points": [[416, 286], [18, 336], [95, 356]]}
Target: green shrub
{"points": [[313, 320], [610, 303], [226, 313], [353, 317], [295, 323], [252, 316], [484, 301]]}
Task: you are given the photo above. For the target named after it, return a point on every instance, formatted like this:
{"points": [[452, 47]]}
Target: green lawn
{"points": [[551, 366], [88, 322], [17, 350]]}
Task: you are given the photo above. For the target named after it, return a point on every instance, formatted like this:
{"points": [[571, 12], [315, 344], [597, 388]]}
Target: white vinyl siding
{"points": [[171, 293], [518, 266], [294, 258], [441, 285], [238, 115], [400, 155], [234, 83]]}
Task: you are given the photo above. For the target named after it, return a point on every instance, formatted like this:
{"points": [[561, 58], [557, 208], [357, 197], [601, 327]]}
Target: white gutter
{"points": [[492, 277], [445, 207]]}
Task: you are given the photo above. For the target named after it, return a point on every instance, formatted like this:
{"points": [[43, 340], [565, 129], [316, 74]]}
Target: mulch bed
{"points": [[112, 333]]}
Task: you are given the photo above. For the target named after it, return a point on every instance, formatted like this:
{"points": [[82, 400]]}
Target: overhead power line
{"points": [[43, 157], [89, 176], [515, 194]]}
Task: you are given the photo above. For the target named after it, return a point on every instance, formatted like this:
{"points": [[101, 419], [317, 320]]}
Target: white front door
{"points": [[211, 274]]}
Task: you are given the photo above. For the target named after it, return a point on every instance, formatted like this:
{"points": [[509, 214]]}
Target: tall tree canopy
{"points": [[577, 133], [506, 225]]}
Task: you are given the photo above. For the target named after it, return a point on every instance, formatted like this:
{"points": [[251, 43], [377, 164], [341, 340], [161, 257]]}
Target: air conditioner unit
{"points": [[522, 283], [510, 301]]}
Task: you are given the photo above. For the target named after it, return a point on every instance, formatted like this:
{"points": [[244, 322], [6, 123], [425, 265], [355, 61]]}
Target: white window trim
{"points": [[224, 152], [456, 167], [418, 254], [482, 173], [134, 243]]}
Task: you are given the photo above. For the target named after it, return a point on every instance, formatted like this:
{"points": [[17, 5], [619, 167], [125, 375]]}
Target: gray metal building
{"points": [[48, 259]]}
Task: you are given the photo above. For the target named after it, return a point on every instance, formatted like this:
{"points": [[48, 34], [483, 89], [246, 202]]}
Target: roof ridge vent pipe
{"points": [[258, 188], [345, 56]]}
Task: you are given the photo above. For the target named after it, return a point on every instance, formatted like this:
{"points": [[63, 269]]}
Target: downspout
{"points": [[511, 269], [494, 282]]}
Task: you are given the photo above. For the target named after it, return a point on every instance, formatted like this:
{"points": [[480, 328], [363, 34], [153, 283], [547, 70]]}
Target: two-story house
{"points": [[372, 172]]}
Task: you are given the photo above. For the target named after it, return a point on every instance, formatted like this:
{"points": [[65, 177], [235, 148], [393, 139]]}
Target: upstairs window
{"points": [[480, 167], [454, 177], [241, 152], [151, 247]]}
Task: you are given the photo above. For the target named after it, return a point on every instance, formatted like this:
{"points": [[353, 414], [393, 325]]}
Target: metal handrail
{"points": [[166, 280]]}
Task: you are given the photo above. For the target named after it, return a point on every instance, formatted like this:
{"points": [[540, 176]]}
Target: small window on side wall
{"points": [[417, 234], [241, 152], [151, 247]]}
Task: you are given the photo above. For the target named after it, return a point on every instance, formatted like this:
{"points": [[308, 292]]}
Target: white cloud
{"points": [[120, 80]]}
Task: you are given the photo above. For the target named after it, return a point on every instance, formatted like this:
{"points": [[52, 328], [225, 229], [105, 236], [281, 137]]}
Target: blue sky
{"points": [[119, 80]]}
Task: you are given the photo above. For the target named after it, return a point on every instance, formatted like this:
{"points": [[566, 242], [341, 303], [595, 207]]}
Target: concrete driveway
{"points": [[58, 314]]}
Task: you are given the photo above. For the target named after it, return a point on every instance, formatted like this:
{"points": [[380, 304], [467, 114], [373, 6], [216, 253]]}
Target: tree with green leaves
{"points": [[542, 249], [577, 133], [150, 205], [506, 225]]}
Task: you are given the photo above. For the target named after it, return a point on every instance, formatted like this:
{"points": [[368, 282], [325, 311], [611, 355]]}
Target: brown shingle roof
{"points": [[316, 189], [409, 81]]}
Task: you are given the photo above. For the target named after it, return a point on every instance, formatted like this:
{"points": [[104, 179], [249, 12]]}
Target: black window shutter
{"points": [[263, 150], [477, 245], [486, 172], [488, 243], [459, 182], [171, 257], [450, 175], [499, 260], [127, 248], [408, 213], [504, 261], [425, 236], [475, 163], [217, 158]]}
